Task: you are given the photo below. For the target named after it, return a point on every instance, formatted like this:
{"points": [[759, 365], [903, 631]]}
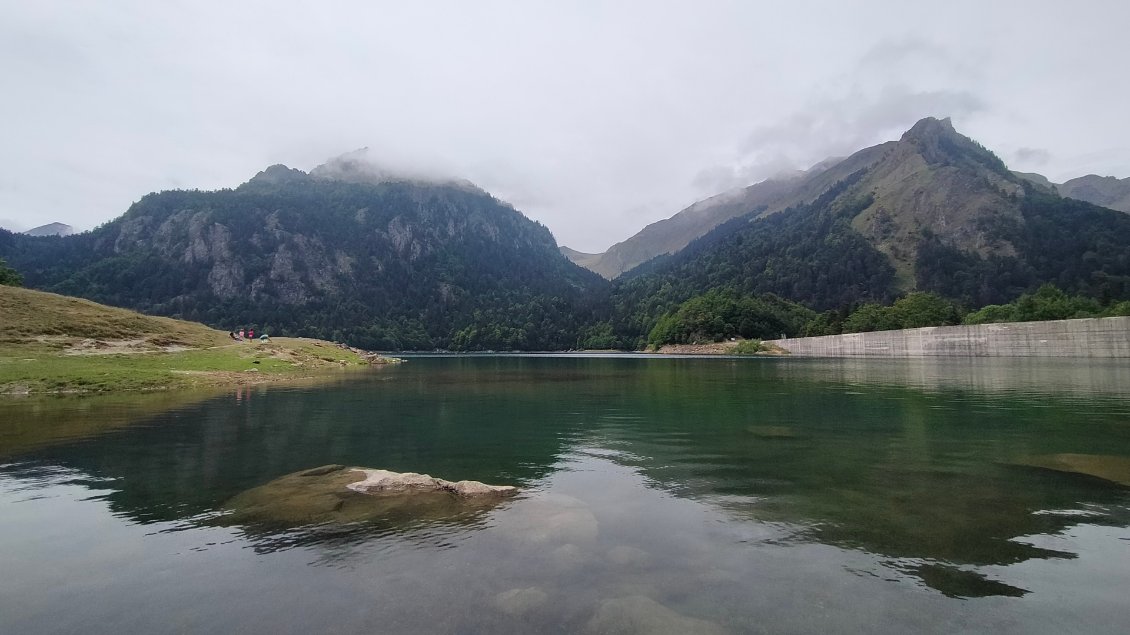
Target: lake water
{"points": [[658, 495]]}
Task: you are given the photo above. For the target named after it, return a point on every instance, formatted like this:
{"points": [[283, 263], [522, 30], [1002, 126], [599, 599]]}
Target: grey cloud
{"points": [[12, 226], [891, 84], [1032, 156], [833, 127], [592, 118]]}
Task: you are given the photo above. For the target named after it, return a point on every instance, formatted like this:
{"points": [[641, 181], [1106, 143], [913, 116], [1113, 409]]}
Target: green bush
{"points": [[747, 347], [9, 276]]}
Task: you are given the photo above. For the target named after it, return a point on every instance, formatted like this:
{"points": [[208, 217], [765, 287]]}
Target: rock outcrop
{"points": [[384, 483], [340, 494]]}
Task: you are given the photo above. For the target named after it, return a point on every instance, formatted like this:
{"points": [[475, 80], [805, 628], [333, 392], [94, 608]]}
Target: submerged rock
{"points": [[567, 558], [1115, 469], [626, 556], [960, 583], [553, 519], [520, 601], [336, 493], [640, 614]]}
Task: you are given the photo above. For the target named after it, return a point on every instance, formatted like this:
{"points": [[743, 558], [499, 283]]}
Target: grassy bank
{"points": [[52, 343]]}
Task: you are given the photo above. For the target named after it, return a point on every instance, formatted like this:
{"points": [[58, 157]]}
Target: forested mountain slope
{"points": [[376, 260], [934, 211]]}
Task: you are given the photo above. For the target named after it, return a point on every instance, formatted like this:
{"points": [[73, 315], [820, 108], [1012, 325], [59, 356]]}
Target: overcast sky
{"points": [[594, 118]]}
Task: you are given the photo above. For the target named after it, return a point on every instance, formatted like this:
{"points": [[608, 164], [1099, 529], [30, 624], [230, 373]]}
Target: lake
{"points": [[658, 494]]}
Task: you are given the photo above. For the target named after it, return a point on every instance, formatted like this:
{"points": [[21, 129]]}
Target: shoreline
{"points": [[109, 366]]}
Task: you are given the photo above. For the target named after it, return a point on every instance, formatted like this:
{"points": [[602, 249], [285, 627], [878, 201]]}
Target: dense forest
{"points": [[1079, 247], [717, 316], [9, 276]]}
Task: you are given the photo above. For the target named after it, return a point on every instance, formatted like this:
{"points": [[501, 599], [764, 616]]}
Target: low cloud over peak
{"points": [[594, 120]]}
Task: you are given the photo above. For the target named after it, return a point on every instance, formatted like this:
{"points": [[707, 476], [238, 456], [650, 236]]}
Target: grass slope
{"points": [[53, 343]]}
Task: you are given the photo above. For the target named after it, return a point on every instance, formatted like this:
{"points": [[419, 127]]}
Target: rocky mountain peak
{"points": [[278, 174], [939, 144], [930, 128], [935, 140]]}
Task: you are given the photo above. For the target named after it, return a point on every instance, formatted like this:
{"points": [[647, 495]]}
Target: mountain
{"points": [[579, 258], [933, 211], [1106, 191], [790, 190], [377, 259], [51, 229], [767, 197]]}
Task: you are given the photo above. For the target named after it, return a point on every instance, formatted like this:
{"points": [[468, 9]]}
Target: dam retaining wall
{"points": [[1092, 337]]}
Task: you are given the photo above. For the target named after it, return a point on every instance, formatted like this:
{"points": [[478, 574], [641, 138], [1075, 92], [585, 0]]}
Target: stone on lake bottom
{"points": [[638, 614], [520, 601], [1115, 469]]}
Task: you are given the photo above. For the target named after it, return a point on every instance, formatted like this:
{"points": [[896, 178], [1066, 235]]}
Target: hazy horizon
{"points": [[592, 119]]}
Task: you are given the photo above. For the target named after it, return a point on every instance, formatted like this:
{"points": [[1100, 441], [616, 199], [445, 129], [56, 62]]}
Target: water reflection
{"points": [[1024, 375], [690, 484]]}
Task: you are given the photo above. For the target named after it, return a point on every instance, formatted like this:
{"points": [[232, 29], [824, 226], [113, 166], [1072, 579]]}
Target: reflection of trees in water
{"points": [[921, 479], [179, 465]]}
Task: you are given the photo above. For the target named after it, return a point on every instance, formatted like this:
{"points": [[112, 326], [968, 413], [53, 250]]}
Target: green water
{"points": [[658, 495]]}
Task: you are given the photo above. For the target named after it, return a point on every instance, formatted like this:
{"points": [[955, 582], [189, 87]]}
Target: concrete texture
{"points": [[1092, 337]]}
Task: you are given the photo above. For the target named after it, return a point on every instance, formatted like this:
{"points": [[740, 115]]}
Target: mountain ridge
{"points": [[934, 211], [1107, 191], [767, 197], [773, 195], [384, 263]]}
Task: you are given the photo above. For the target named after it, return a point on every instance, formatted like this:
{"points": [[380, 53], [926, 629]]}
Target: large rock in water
{"points": [[383, 482], [336, 493]]}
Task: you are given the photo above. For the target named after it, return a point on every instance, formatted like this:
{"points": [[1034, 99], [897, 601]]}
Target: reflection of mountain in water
{"points": [[188, 463], [921, 478], [844, 454]]}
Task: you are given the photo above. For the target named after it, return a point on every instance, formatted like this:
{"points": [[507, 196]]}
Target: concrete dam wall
{"points": [[1092, 337]]}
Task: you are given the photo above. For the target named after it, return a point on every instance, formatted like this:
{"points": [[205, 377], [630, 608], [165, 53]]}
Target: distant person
{"points": [[241, 334], [250, 334]]}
